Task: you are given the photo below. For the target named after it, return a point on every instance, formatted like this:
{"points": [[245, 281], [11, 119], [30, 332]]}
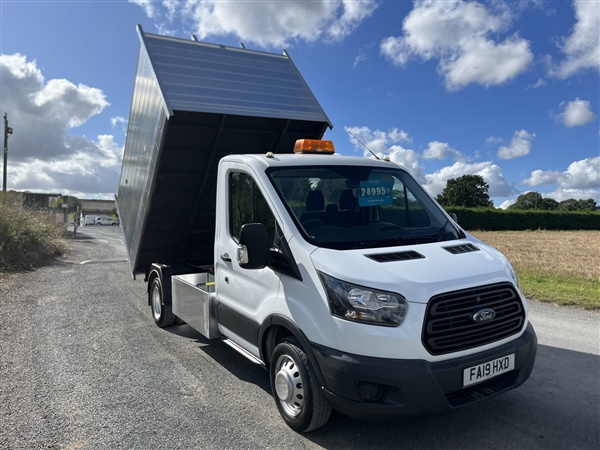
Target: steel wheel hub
{"points": [[289, 386], [156, 306]]}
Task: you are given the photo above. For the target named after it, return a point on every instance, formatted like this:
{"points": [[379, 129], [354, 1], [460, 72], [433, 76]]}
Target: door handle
{"points": [[225, 257]]}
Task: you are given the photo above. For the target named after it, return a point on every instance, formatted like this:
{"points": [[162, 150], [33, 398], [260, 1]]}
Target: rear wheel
{"points": [[296, 389], [162, 314]]}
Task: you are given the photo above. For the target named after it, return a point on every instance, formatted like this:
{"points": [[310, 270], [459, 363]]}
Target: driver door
{"points": [[245, 296]]}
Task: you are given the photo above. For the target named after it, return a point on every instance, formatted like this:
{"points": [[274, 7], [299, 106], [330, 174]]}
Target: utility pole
{"points": [[7, 130]]}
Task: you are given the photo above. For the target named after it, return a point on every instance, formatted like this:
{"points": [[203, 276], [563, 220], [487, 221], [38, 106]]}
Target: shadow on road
{"points": [[236, 364], [556, 408]]}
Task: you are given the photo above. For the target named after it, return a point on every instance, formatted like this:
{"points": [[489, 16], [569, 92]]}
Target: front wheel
{"points": [[162, 314], [296, 389]]}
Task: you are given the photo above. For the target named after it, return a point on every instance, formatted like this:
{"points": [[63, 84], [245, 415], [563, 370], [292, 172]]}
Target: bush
{"points": [[488, 219], [28, 238]]}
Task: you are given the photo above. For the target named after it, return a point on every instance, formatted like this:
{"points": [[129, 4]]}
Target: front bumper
{"points": [[369, 388]]}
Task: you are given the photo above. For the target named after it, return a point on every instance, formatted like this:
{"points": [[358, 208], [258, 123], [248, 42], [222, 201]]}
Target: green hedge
{"points": [[488, 219]]}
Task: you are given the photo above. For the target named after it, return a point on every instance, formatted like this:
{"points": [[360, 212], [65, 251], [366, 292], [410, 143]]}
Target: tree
{"points": [[534, 200], [578, 205], [530, 200], [470, 191], [589, 204], [569, 204], [549, 204], [73, 203]]}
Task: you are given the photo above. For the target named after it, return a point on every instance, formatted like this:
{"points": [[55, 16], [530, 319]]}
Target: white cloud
{"points": [[91, 170], [538, 84], [171, 7], [386, 143], [493, 140], [397, 135], [377, 141], [580, 175], [363, 55], [460, 35], [407, 158], [41, 112], [490, 172], [118, 120], [146, 5], [506, 203], [578, 194], [581, 180], [42, 155], [582, 47], [441, 150], [542, 177], [519, 146], [265, 23], [69, 104], [395, 50], [487, 63], [576, 113], [353, 13]]}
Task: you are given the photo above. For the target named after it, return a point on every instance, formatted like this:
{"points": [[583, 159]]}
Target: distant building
{"points": [[57, 203], [97, 207], [34, 200], [50, 202]]}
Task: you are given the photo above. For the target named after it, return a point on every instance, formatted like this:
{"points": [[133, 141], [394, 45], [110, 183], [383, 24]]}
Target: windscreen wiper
{"points": [[377, 243], [442, 231], [392, 241]]}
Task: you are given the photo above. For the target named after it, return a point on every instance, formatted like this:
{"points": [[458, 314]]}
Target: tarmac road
{"points": [[82, 365]]}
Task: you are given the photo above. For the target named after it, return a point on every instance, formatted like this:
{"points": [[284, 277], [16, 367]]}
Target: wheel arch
{"points": [[277, 327], [163, 272]]}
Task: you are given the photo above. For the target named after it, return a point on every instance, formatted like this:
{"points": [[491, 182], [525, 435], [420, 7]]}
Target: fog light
{"points": [[369, 392]]}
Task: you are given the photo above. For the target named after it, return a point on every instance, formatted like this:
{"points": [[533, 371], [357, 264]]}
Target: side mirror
{"points": [[253, 250], [454, 217]]}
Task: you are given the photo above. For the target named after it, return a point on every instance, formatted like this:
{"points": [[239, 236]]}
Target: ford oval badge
{"points": [[483, 315]]}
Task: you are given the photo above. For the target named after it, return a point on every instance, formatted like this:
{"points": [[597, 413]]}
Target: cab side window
{"points": [[247, 205]]}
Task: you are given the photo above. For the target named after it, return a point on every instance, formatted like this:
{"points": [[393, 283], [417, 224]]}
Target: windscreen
{"points": [[348, 207]]}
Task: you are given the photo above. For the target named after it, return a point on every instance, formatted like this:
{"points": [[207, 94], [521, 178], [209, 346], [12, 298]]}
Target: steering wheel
{"points": [[313, 223]]}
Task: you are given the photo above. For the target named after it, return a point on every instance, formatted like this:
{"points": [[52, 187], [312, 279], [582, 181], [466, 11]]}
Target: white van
{"points": [[104, 220], [354, 288], [88, 220], [340, 275]]}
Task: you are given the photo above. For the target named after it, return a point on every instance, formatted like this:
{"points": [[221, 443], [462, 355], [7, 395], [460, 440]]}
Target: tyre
{"points": [[162, 314], [179, 321], [295, 388]]}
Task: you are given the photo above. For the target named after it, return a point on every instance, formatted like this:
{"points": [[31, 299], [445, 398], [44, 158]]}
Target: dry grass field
{"points": [[558, 266]]}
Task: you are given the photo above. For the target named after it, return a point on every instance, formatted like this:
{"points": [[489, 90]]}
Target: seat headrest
{"points": [[348, 200], [315, 201]]}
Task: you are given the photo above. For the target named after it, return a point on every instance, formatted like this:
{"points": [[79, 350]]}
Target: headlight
{"points": [[514, 276], [362, 304]]}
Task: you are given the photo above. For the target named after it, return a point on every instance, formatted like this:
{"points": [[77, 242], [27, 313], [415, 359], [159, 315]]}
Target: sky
{"points": [[508, 90]]}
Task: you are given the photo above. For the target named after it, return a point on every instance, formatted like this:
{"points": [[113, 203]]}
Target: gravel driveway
{"points": [[82, 365]]}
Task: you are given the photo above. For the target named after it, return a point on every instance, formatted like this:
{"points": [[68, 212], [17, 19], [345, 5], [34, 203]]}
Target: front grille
{"points": [[449, 325]]}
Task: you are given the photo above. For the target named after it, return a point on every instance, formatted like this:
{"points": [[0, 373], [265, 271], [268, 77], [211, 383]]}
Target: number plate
{"points": [[490, 369]]}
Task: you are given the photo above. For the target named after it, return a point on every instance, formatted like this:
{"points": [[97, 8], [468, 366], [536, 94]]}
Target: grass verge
{"points": [[27, 238], [561, 290], [562, 267]]}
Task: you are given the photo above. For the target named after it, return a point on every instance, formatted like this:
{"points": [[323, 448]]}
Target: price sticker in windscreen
{"points": [[374, 192]]}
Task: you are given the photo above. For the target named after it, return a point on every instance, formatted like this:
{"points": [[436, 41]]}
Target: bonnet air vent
{"points": [[458, 249], [400, 256]]}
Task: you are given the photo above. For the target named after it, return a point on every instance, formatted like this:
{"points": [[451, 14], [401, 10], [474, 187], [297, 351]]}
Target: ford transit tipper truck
{"points": [[340, 275]]}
